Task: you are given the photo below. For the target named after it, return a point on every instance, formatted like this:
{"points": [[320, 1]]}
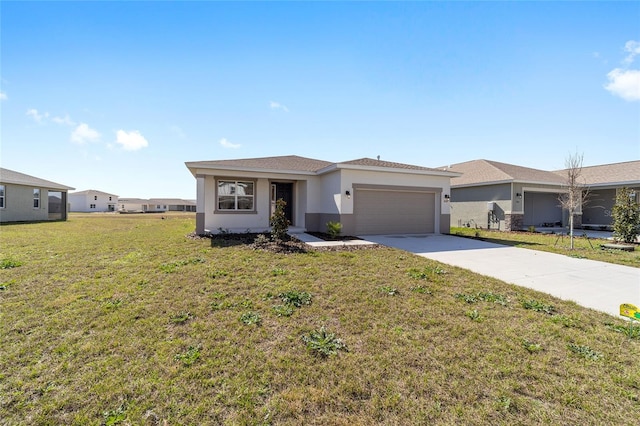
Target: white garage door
{"points": [[393, 212]]}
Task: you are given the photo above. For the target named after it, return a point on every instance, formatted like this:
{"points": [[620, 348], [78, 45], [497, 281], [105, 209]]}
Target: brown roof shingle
{"points": [[615, 173], [478, 172], [285, 163]]}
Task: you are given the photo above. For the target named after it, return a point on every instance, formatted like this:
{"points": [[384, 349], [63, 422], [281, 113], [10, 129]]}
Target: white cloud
{"points": [[633, 47], [83, 134], [3, 96], [624, 83], [225, 143], [37, 117], [277, 105], [131, 141], [64, 120]]}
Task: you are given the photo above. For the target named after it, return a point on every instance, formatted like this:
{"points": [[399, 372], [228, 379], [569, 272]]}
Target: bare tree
{"points": [[575, 191]]}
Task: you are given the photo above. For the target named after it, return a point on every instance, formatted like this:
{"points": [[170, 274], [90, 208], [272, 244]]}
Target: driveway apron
{"points": [[597, 285]]}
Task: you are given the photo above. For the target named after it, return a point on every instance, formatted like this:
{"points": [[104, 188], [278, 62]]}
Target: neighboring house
{"points": [[25, 198], [366, 196], [155, 205], [92, 201], [495, 195], [173, 204]]}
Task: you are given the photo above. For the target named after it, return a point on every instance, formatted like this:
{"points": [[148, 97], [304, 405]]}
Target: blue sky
{"points": [[116, 96]]}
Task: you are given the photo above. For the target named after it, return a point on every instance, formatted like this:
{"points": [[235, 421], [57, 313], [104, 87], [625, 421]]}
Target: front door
{"points": [[284, 191]]}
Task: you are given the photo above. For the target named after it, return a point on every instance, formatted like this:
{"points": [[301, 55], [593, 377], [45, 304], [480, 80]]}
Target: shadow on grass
{"points": [[511, 243]]}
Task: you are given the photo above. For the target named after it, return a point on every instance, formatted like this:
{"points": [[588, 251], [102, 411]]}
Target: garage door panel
{"points": [[388, 212]]}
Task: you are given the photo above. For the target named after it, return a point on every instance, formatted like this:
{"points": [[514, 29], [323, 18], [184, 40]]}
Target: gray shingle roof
{"points": [[284, 163], [478, 172], [17, 178], [370, 162], [617, 173]]}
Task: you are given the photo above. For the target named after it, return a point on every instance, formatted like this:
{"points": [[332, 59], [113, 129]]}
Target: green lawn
{"points": [[586, 248], [109, 319]]}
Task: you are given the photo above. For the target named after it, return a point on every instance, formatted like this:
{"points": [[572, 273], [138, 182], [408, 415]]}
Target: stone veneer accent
{"points": [[513, 221]]}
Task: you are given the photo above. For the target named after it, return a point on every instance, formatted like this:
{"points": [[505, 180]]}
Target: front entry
{"points": [[284, 191]]}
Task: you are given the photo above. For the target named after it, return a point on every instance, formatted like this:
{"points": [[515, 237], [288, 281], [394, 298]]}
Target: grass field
{"points": [[583, 247], [108, 319]]}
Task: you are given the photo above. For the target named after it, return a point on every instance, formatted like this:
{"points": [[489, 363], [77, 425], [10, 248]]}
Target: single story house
{"points": [[92, 201], [155, 205], [25, 198], [366, 196], [494, 195]]}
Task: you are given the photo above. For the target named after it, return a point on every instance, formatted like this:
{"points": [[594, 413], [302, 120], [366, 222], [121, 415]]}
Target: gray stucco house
{"points": [[366, 196], [494, 195], [25, 198]]}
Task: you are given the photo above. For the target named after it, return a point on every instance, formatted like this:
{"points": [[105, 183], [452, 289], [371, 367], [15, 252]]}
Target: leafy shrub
{"points": [[626, 217], [334, 229], [584, 351], [261, 240], [279, 222], [323, 343]]}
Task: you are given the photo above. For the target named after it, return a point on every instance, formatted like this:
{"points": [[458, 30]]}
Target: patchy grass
{"points": [[96, 331], [583, 248]]}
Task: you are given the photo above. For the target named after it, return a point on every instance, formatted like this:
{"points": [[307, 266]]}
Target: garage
{"points": [[542, 209], [387, 211]]}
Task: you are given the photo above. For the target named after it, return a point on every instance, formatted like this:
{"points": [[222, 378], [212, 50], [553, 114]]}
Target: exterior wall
{"points": [[82, 202], [469, 206], [19, 204], [257, 220]]}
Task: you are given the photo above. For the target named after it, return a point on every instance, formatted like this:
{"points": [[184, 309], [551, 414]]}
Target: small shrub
{"points": [[626, 217], [279, 222], [250, 318], [283, 310], [334, 229], [538, 306], [261, 240], [295, 298], [189, 357], [9, 263], [388, 290], [323, 343], [531, 229], [584, 351]]}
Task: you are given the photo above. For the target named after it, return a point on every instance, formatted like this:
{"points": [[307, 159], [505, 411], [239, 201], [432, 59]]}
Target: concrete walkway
{"points": [[597, 285]]}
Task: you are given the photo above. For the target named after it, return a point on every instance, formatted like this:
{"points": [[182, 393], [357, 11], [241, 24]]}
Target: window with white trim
{"points": [[2, 205], [36, 198], [236, 195]]}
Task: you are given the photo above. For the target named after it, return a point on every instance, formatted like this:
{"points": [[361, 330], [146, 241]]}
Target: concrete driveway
{"points": [[597, 285]]}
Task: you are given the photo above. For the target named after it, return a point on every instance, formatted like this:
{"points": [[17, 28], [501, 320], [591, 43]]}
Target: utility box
{"points": [[491, 206]]}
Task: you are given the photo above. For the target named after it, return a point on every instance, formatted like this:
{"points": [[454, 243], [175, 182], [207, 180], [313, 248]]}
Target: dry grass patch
{"points": [[95, 331]]}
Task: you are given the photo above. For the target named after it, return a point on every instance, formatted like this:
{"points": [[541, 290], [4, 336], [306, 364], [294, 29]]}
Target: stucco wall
{"points": [[19, 204], [82, 202], [469, 206]]}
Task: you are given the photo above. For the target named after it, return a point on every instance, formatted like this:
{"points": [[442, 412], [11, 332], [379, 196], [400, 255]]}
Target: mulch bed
{"points": [[290, 245]]}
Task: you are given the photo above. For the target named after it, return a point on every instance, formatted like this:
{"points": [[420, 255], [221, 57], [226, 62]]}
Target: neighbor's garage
{"points": [[384, 211], [542, 208]]}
